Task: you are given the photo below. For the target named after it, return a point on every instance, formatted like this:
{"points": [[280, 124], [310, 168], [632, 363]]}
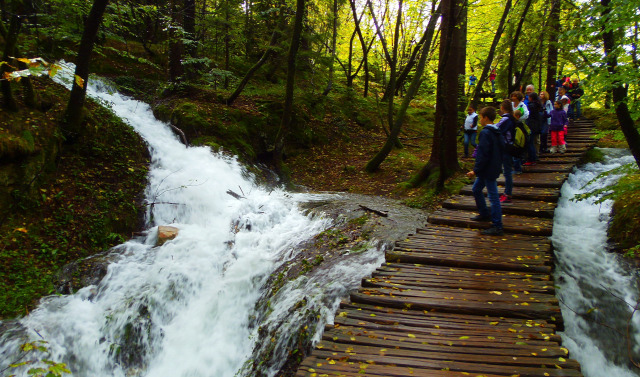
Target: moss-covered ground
{"points": [[83, 200]]}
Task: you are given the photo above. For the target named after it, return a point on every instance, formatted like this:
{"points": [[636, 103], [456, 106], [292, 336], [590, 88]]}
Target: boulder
{"points": [[166, 233]]}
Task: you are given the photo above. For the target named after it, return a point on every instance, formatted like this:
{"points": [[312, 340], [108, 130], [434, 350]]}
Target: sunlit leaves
{"points": [[35, 67]]}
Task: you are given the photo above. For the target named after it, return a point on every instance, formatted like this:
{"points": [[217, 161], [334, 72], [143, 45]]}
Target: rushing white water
{"points": [[182, 309], [596, 290]]}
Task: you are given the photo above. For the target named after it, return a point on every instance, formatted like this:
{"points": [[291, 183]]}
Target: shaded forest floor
{"points": [[338, 165]]}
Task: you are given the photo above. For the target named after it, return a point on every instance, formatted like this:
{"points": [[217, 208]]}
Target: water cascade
{"points": [[188, 307], [596, 290]]}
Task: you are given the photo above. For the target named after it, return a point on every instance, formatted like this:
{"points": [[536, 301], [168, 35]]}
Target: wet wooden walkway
{"points": [[450, 302]]}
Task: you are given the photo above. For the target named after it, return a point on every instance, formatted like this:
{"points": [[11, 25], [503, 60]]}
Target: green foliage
{"points": [[586, 33], [625, 192], [613, 191], [625, 225], [36, 361]]}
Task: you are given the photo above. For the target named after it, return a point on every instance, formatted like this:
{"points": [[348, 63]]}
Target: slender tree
{"points": [[552, 54], [11, 39], [512, 51], [175, 41], [619, 90], [375, 162], [334, 39], [268, 52], [492, 51], [444, 156], [287, 113], [72, 121]]}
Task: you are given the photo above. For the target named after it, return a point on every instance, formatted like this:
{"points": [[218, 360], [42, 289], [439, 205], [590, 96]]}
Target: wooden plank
{"points": [[467, 277], [473, 274], [510, 223], [494, 333], [345, 351], [481, 251], [455, 366], [531, 193], [442, 316], [545, 311], [454, 235], [543, 167], [309, 368], [400, 256], [470, 295], [517, 207], [436, 340], [538, 179]]}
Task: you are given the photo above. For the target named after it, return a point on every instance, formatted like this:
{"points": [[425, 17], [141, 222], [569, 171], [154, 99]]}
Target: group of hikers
{"points": [[516, 139], [492, 79]]}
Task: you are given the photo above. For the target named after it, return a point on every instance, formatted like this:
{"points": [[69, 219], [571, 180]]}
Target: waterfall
{"points": [[184, 308], [596, 290]]}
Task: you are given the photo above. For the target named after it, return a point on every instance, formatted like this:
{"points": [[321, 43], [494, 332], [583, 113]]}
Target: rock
{"points": [[166, 233], [81, 273]]}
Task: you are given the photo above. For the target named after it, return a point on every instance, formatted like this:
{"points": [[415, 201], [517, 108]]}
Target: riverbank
{"points": [[74, 201]]}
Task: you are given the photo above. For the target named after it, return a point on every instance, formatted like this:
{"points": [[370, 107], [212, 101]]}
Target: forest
{"points": [[358, 96]]}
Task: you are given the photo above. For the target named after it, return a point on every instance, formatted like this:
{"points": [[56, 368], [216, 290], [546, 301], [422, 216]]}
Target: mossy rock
{"points": [[593, 155], [625, 224]]}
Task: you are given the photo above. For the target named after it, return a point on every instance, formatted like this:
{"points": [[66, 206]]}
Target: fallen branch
{"points": [[183, 136], [235, 195], [379, 213]]}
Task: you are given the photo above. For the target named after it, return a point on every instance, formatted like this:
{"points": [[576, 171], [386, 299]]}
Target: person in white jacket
{"points": [[470, 130]]}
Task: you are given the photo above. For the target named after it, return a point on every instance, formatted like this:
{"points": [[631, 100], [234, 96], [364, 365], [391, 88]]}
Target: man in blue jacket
{"points": [[489, 157]]}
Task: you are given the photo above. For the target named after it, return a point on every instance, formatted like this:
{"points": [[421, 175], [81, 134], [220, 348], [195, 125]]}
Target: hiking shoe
{"points": [[505, 198], [493, 231], [529, 163], [481, 218], [516, 172]]}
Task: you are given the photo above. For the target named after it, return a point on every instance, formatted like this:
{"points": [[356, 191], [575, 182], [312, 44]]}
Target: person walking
{"points": [[534, 122], [559, 122], [470, 130], [507, 129], [576, 94], [489, 157], [547, 105], [472, 83], [518, 104], [492, 78]]}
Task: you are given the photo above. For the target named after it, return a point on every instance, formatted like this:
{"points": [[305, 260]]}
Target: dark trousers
{"points": [[494, 199]]}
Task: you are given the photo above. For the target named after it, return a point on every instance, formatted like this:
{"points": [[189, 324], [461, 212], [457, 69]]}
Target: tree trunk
{"points": [[444, 151], [175, 43], [426, 38], [619, 90], [189, 25], [392, 138], [265, 56], [512, 51], [9, 101], [492, 51], [227, 41], [552, 56], [287, 113], [72, 121], [334, 39], [375, 162]]}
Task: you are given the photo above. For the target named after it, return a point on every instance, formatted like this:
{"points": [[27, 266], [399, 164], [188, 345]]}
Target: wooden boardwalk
{"points": [[450, 302]]}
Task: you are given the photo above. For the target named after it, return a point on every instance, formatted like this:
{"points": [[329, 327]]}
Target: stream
{"points": [[596, 288]]}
